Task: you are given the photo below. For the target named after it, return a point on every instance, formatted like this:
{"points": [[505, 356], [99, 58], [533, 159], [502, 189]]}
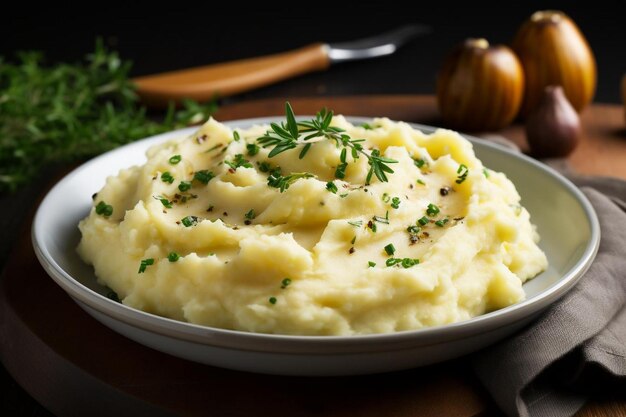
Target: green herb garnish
{"points": [[239, 161], [395, 202], [282, 183], [356, 223], [371, 264], [253, 149], [166, 203], [419, 162], [432, 210], [203, 176], [184, 186], [144, 264], [167, 177], [175, 159], [236, 136], [173, 257], [462, 171], [286, 135], [272, 300], [441, 222], [189, 221], [250, 215], [423, 221], [104, 209], [330, 186], [390, 249], [285, 283]]}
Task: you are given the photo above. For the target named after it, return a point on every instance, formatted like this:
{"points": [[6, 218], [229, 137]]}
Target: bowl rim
{"points": [[318, 345]]}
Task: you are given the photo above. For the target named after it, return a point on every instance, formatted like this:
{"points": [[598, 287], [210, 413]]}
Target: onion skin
{"points": [[553, 128], [553, 51], [480, 87]]}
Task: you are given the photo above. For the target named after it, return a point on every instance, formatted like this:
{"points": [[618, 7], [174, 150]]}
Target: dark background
{"points": [[171, 40]]}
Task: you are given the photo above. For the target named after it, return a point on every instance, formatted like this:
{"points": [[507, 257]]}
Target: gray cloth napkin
{"points": [[578, 347]]}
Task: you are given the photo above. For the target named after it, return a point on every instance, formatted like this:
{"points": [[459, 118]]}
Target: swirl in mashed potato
{"points": [[197, 233]]}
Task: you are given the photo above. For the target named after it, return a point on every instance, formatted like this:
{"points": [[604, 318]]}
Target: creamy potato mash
{"points": [[212, 230]]}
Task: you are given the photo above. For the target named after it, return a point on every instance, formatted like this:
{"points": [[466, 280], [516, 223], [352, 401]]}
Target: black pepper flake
{"points": [[177, 222], [231, 170], [413, 239], [458, 219], [351, 251], [322, 203], [411, 186], [210, 209], [426, 234], [365, 189], [94, 196], [444, 191], [200, 139], [225, 214], [247, 222]]}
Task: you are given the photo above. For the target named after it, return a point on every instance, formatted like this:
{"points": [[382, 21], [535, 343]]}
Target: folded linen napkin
{"points": [[553, 365]]}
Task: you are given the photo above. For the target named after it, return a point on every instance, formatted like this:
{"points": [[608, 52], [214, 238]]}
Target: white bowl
{"points": [[565, 219]]}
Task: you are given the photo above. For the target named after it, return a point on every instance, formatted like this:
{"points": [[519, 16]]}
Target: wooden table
{"points": [[75, 366]]}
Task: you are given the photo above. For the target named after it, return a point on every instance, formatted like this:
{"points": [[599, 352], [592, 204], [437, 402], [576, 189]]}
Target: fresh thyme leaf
{"points": [[69, 112], [277, 181], [285, 136]]}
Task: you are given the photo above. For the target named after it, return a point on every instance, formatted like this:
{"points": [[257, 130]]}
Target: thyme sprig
{"points": [[291, 134]]}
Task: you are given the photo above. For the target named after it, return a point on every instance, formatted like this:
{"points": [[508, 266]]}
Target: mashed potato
{"points": [[213, 231]]}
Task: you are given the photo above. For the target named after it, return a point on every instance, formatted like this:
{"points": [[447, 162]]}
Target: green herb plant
{"points": [[69, 112]]}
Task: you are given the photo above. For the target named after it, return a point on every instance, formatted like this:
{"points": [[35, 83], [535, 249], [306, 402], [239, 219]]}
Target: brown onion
{"points": [[480, 87], [553, 128], [553, 51]]}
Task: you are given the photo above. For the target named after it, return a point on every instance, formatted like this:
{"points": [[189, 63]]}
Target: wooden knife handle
{"points": [[228, 78]]}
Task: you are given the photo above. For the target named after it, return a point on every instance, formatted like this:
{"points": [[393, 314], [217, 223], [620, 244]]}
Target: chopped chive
{"points": [[236, 136], [144, 264], [462, 171], [408, 262], [356, 223], [104, 209], [189, 221], [420, 182], [441, 222], [167, 177], [419, 162], [166, 203], [239, 161], [353, 240], [285, 283], [272, 300], [423, 221], [344, 195], [371, 264], [330, 186], [395, 202], [432, 210], [252, 148], [175, 159], [390, 249], [184, 186], [413, 229], [250, 215], [173, 257], [367, 126], [486, 172], [392, 261], [386, 198], [203, 176]]}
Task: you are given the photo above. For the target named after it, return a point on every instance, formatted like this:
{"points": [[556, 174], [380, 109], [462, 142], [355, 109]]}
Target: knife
{"points": [[229, 78]]}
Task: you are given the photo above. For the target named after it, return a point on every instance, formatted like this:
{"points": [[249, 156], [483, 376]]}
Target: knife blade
{"points": [[229, 78]]}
